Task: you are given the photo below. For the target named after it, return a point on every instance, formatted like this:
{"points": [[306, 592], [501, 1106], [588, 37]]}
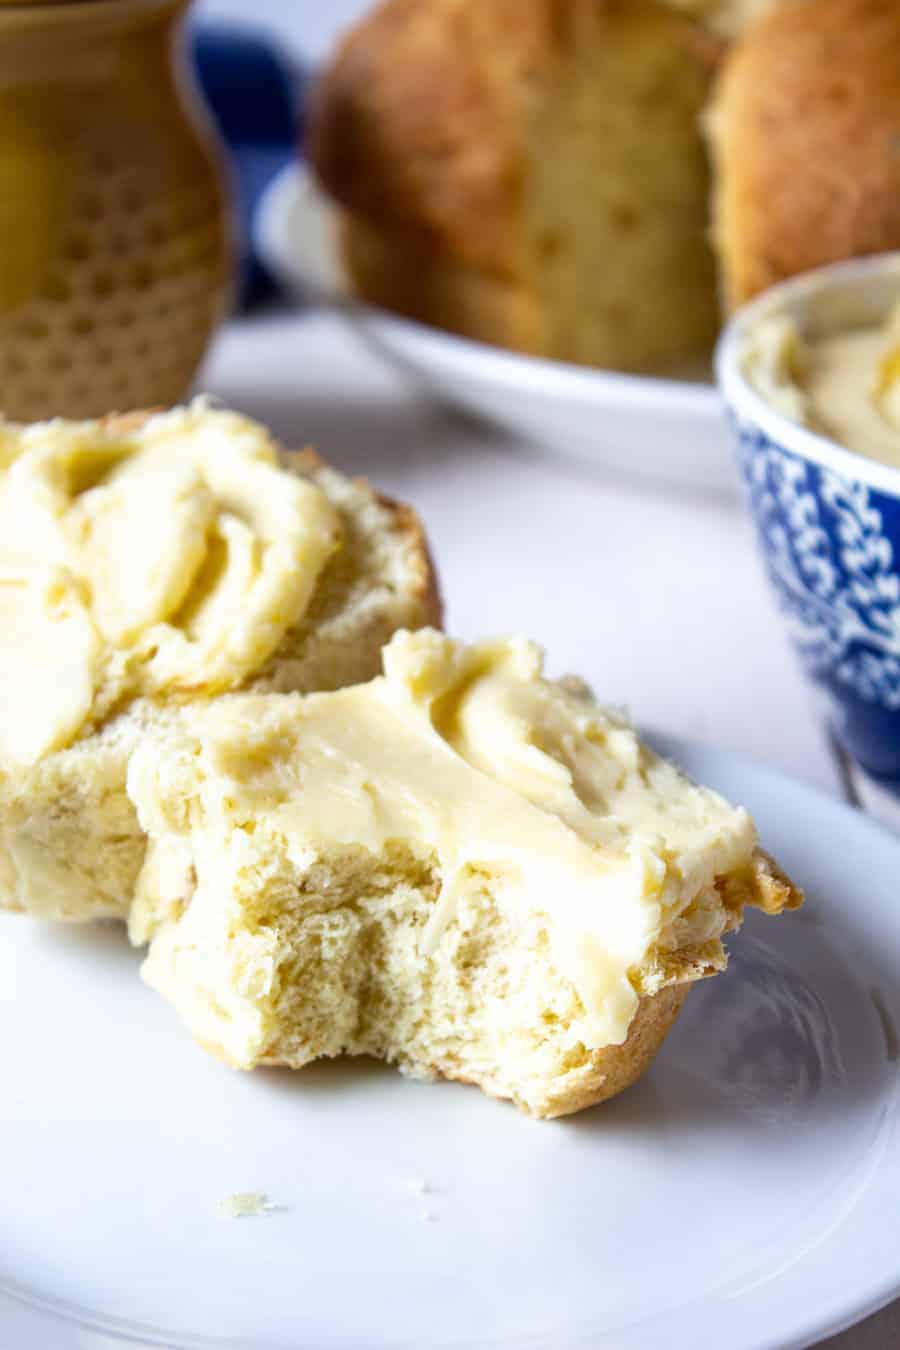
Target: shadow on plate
{"points": [[788, 1032], [107, 940]]}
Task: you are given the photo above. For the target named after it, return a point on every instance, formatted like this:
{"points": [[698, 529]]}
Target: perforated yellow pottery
{"points": [[114, 247]]}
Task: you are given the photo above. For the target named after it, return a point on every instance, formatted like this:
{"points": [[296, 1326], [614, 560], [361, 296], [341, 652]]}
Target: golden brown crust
{"points": [[527, 173], [604, 1073], [428, 589], [806, 132], [419, 124], [415, 124], [764, 885], [601, 1074], [407, 524], [595, 1076], [609, 1071], [614, 1069], [772, 889]]}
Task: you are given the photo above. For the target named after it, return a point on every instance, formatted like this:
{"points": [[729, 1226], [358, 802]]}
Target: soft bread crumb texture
{"points": [[527, 173], [461, 867], [70, 843]]}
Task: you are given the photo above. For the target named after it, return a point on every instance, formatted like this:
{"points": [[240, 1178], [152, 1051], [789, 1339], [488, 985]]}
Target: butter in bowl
{"points": [[810, 372]]}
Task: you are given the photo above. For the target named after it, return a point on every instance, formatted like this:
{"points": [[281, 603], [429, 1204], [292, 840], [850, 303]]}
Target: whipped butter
{"points": [[157, 558], [845, 385], [468, 757]]}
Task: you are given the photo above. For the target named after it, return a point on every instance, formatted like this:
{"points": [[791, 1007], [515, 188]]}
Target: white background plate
{"points": [[744, 1195], [671, 430]]}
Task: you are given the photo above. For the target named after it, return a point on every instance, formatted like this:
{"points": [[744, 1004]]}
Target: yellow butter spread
{"points": [[845, 385], [144, 559], [467, 756], [49, 655]]}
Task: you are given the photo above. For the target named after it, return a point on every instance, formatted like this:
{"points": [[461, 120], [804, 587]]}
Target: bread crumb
{"points": [[246, 1205]]}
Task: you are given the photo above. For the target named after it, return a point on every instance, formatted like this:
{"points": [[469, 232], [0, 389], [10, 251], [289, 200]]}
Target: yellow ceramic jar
{"points": [[114, 248]]}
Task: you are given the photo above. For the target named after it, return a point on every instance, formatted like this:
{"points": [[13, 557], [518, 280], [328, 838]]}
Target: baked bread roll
{"points": [[526, 172], [156, 560], [460, 867], [805, 132], [728, 19]]}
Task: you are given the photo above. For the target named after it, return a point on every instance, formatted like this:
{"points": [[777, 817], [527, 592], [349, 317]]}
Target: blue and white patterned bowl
{"points": [[828, 525]]}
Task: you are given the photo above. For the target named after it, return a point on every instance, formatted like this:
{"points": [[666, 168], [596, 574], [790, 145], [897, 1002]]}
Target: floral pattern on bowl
{"points": [[828, 524], [832, 566]]}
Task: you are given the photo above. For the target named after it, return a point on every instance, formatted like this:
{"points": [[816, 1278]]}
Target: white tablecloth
{"points": [[655, 596]]}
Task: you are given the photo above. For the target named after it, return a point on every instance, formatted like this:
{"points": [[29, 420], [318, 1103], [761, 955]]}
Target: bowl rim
{"points": [[742, 399], [295, 185]]}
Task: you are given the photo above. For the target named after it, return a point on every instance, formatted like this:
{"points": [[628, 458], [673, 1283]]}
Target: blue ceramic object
{"points": [[828, 521], [255, 93]]}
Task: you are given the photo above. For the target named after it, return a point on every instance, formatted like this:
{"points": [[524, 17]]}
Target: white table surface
{"points": [[657, 597]]}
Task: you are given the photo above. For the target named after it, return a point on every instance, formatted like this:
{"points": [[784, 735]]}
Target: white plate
{"points": [[744, 1195], [672, 430]]}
